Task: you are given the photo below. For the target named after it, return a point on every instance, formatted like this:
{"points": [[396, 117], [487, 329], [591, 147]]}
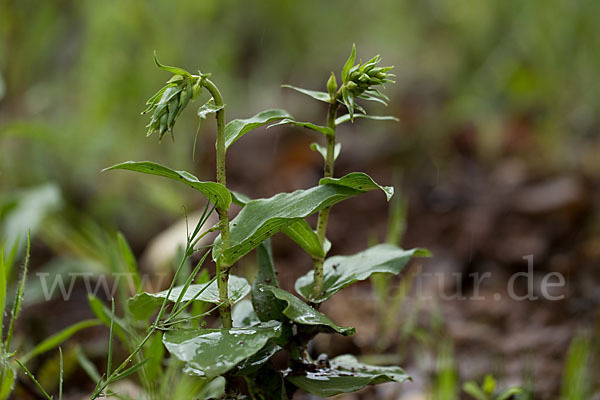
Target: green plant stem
{"points": [[324, 214], [222, 269]]}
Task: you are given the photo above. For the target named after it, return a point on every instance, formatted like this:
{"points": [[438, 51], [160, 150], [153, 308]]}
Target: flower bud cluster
{"points": [[168, 103], [365, 76]]}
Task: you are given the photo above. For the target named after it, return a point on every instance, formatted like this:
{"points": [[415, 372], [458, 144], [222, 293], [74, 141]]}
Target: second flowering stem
{"points": [[324, 214]]}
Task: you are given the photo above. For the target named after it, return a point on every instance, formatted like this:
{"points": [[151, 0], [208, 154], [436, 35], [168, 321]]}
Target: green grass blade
{"points": [[575, 383], [61, 374], [189, 280], [35, 381], [130, 263], [130, 370], [59, 337], [18, 299], [88, 366], [110, 338], [2, 290]]}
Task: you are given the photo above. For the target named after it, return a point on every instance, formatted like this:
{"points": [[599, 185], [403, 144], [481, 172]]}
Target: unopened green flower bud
{"points": [[185, 96], [352, 86], [173, 111], [197, 89], [375, 71], [175, 79], [332, 85], [163, 125]]}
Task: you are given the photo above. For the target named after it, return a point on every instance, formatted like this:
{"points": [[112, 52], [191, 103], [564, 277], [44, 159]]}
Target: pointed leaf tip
{"points": [[239, 127], [215, 192], [348, 65], [173, 70]]}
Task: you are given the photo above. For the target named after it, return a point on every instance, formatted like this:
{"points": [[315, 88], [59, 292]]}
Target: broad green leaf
{"points": [[144, 304], [243, 314], [341, 271], [239, 127], [359, 181], [215, 192], [348, 65], [345, 375], [346, 118], [323, 151], [265, 305], [59, 337], [267, 384], [301, 313], [173, 70], [208, 108], [239, 198], [7, 382], [325, 130], [253, 363], [315, 94], [298, 231], [262, 218], [301, 233], [212, 352]]}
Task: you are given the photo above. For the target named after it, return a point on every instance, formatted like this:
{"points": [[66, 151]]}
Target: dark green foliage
{"points": [[275, 319]]}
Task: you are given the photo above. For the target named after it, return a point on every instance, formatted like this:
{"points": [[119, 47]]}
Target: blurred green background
{"points": [[483, 80], [75, 75]]}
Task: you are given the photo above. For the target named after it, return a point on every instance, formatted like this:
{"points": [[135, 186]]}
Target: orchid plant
{"points": [[275, 320]]}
